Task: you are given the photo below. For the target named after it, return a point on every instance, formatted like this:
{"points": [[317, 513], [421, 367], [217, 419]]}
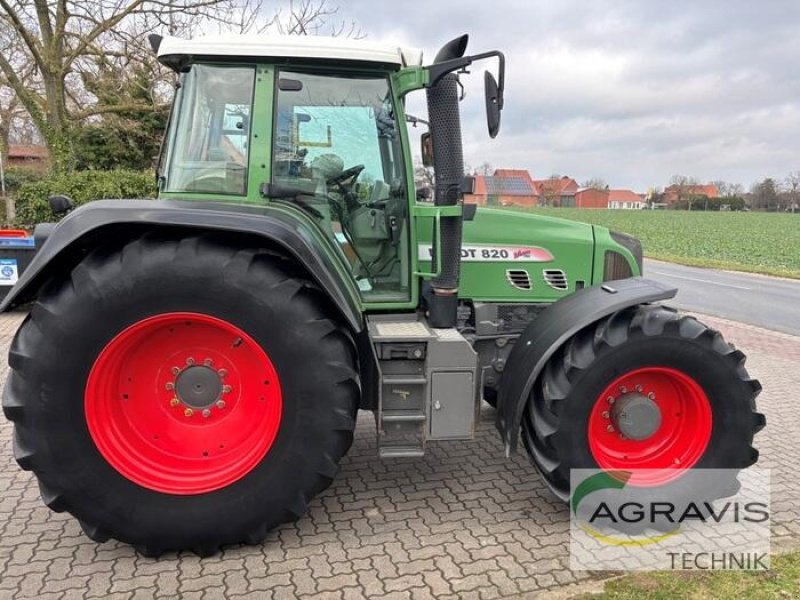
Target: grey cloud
{"points": [[632, 91]]}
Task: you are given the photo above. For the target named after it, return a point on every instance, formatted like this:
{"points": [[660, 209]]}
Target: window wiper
{"points": [[279, 192]]}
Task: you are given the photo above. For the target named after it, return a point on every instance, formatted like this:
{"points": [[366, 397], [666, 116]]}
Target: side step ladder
{"points": [[413, 358]]}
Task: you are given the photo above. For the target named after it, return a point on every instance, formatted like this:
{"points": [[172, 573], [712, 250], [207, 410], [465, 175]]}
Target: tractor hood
{"points": [[521, 257]]}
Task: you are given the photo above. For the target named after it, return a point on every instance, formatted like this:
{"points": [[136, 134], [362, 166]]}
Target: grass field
{"points": [[757, 242], [781, 582]]}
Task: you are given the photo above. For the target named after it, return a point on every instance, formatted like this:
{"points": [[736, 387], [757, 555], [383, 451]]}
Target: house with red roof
{"points": [[625, 199], [591, 198], [557, 191], [506, 187], [692, 193], [27, 155], [516, 187]]}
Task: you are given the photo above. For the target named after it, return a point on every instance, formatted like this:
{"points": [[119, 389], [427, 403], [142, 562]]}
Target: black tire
{"points": [[554, 425], [258, 291]]}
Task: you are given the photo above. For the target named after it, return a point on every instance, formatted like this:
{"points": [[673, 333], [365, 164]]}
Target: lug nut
{"points": [[226, 389], [208, 362], [206, 413], [623, 389], [610, 399], [606, 414], [170, 385], [222, 372], [651, 395], [176, 370], [610, 429], [190, 361], [174, 402], [188, 412], [638, 388], [220, 404]]}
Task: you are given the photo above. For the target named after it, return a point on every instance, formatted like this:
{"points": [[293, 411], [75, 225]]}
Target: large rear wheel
{"points": [[182, 393], [646, 388]]}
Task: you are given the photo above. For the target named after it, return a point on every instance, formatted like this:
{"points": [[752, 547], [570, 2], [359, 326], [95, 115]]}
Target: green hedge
{"points": [[16, 177], [82, 187]]}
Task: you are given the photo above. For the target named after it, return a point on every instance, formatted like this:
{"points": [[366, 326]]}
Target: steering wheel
{"points": [[351, 173], [349, 198]]}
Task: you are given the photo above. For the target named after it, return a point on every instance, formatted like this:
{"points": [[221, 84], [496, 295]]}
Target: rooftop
{"points": [[561, 185], [27, 151], [623, 196], [499, 185], [289, 46]]}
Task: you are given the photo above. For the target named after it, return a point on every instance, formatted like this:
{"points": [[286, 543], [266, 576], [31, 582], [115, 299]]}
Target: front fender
{"points": [[548, 332], [91, 223]]}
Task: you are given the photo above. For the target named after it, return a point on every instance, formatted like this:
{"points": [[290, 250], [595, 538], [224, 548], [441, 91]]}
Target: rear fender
{"points": [[548, 332], [95, 222]]}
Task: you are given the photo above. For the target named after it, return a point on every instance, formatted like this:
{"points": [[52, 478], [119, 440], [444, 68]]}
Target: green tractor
{"points": [[191, 368]]}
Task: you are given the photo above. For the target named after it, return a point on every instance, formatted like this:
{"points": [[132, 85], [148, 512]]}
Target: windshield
{"points": [[210, 133]]}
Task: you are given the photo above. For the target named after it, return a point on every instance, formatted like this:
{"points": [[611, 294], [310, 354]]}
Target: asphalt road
{"points": [[768, 302]]}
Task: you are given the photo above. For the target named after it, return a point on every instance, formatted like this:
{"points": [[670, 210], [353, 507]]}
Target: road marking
{"points": [[736, 287]]}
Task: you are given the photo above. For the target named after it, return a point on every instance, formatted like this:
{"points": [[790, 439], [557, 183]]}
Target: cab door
{"points": [[337, 142]]}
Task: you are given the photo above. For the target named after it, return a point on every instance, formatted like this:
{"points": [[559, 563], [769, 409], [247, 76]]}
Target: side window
{"points": [[336, 142], [211, 131]]}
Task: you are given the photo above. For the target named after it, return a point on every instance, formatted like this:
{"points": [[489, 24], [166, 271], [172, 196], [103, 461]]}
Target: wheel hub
{"points": [[198, 386], [636, 416]]}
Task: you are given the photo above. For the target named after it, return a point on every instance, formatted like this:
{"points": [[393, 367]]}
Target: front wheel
{"points": [[182, 393], [644, 389]]}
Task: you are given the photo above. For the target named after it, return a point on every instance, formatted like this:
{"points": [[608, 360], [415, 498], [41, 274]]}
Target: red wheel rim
{"points": [[677, 444], [183, 403]]}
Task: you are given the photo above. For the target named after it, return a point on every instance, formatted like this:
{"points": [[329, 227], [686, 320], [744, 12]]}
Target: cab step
{"points": [[427, 384]]}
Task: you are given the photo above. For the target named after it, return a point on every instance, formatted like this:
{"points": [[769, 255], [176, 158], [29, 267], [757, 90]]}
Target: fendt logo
{"points": [[705, 520]]}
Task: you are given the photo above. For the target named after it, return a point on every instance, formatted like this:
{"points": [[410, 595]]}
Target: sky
{"points": [[632, 92]]}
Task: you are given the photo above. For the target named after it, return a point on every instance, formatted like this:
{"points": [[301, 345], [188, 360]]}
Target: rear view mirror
{"points": [[492, 104], [426, 143]]}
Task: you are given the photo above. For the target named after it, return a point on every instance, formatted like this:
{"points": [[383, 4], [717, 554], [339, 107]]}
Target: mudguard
{"points": [[89, 224], [554, 326]]}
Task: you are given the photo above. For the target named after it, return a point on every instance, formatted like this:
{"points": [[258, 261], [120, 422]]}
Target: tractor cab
{"points": [[318, 128]]}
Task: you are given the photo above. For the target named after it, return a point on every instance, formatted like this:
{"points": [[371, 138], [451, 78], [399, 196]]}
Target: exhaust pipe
{"points": [[448, 164]]}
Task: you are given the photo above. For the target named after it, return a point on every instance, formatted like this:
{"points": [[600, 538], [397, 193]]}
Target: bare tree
{"points": [[60, 40], [67, 42], [765, 194], [595, 183], [683, 189], [728, 188], [310, 17], [792, 187], [484, 169], [551, 190]]}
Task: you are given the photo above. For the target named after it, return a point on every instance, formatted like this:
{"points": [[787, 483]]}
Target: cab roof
{"points": [[172, 50]]}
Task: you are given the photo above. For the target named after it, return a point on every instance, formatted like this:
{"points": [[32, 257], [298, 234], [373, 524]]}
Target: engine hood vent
{"points": [[556, 279], [519, 278]]}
